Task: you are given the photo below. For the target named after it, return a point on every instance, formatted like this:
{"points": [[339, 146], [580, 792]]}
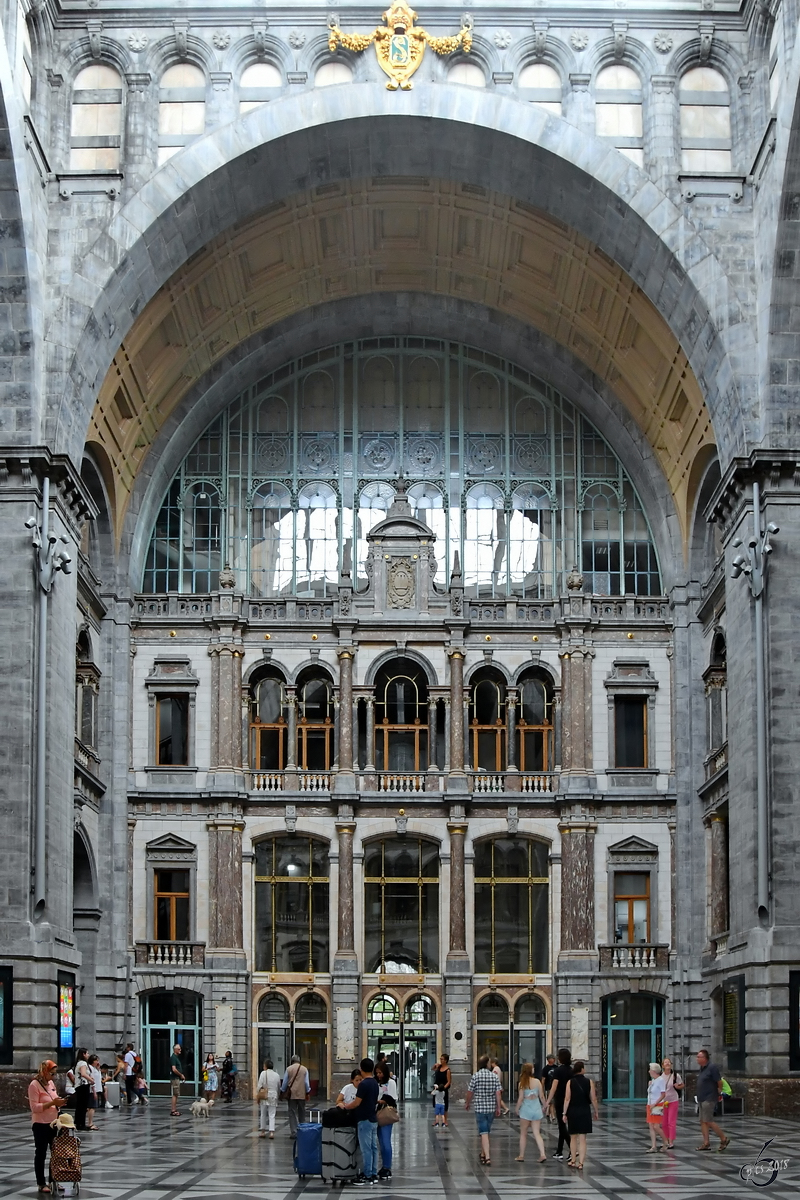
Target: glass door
{"points": [[494, 1042], [386, 1040], [170, 1018], [530, 1046], [419, 1056], [312, 1046], [632, 1038]]}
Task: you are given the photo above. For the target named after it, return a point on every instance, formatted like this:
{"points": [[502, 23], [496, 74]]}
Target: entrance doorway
{"points": [[279, 1037], [512, 1041], [408, 1040], [633, 1026], [170, 1018]]}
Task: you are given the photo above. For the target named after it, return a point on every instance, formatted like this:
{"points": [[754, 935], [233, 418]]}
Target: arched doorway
{"points": [[169, 1018], [407, 1036], [633, 1028]]}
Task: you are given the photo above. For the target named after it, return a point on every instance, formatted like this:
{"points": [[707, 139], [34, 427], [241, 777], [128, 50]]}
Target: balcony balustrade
{"points": [[171, 954], [635, 958]]}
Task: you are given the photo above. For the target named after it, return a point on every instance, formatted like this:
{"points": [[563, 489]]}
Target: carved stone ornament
{"points": [[401, 824], [575, 580], [221, 39], [399, 45], [297, 39], [400, 584], [513, 820], [291, 818], [227, 578], [663, 42], [502, 39], [579, 40], [138, 42]]}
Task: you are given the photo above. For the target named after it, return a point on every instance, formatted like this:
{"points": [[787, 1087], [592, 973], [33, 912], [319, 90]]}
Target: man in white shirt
{"points": [[130, 1064]]}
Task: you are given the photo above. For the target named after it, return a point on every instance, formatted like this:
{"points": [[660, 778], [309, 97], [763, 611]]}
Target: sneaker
{"points": [[360, 1181], [559, 1156], [373, 1179]]}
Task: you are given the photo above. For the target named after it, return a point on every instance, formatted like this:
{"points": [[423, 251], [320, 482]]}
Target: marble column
{"points": [[226, 725], [346, 936], [719, 874], [369, 765], [346, 981], [432, 734], [446, 702], [577, 887], [225, 885], [511, 729], [291, 730], [457, 971], [457, 715], [345, 780], [576, 728], [458, 897]]}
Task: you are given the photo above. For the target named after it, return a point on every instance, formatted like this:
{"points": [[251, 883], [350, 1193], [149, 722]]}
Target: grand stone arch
{"points": [[551, 176]]}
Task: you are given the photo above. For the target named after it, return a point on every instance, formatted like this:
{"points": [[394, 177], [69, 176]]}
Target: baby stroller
{"points": [[65, 1158]]}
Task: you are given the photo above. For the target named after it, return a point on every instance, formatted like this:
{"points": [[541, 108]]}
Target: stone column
{"points": [[458, 899], [511, 729], [346, 989], [336, 729], [577, 887], [446, 702], [661, 121], [457, 715], [719, 874], [346, 936], [369, 765], [225, 886], [432, 734], [291, 729], [576, 727], [226, 693], [345, 779], [457, 971]]}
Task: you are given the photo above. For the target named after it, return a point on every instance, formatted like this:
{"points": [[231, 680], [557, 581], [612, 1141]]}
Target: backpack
{"points": [[65, 1158]]}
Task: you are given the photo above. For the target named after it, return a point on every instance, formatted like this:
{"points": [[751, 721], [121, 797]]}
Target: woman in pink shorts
{"points": [[673, 1086]]}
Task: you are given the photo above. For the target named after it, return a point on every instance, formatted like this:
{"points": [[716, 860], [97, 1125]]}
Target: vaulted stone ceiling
{"points": [[409, 235]]}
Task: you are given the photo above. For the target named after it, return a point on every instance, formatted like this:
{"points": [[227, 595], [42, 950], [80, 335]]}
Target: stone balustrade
{"points": [[643, 956], [171, 954]]}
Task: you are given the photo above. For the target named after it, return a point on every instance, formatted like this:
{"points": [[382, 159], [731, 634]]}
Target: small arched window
{"points": [[485, 541], [716, 687], [331, 73], [383, 1010], [272, 527], [705, 106], [95, 133], [273, 1009], [259, 83], [311, 1009], [202, 538], [87, 687], [401, 718], [492, 1010], [420, 1010], [314, 723], [530, 1010], [181, 108], [468, 74], [535, 749], [268, 723], [487, 721], [317, 546], [541, 84], [618, 111], [601, 536]]}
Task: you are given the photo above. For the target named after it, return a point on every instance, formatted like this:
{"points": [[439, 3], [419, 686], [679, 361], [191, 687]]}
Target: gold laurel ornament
{"points": [[400, 45]]}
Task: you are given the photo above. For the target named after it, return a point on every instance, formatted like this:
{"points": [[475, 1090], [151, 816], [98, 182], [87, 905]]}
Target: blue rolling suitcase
{"points": [[308, 1150]]}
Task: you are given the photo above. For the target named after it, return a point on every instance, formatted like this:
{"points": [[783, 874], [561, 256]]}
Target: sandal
{"points": [[482, 1157], [45, 1189], [542, 1159], [705, 1146], [570, 1163], [580, 1166], [518, 1159]]}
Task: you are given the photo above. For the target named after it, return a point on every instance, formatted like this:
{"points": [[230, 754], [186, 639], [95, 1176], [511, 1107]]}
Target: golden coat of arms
{"points": [[399, 44]]}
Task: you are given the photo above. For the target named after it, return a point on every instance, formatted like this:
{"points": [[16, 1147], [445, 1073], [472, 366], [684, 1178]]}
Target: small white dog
{"points": [[201, 1107]]}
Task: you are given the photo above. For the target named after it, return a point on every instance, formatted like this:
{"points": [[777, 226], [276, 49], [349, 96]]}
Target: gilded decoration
{"points": [[400, 45]]}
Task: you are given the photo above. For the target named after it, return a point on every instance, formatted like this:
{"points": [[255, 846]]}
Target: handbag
{"points": [[387, 1115], [261, 1094], [656, 1110], [287, 1091]]}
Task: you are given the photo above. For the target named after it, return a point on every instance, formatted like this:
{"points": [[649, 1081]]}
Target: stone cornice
{"points": [[777, 472]]}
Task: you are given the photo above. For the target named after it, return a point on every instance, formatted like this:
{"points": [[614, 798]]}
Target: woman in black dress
{"points": [[442, 1080], [579, 1105]]}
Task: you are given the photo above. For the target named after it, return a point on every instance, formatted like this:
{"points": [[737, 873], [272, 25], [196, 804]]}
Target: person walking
{"points": [[229, 1073], [210, 1076], [83, 1088], [97, 1097], [709, 1092], [530, 1110], [387, 1098], [547, 1081], [555, 1099], [44, 1102], [484, 1096], [498, 1071], [655, 1106], [176, 1078], [130, 1073], [580, 1104], [443, 1080], [672, 1094], [365, 1105], [296, 1087], [267, 1090]]}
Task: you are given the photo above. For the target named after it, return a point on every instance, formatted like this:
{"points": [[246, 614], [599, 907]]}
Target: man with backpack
{"points": [[133, 1063]]}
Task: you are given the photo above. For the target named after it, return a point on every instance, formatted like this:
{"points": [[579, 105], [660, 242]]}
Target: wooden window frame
{"points": [[631, 899], [158, 894]]}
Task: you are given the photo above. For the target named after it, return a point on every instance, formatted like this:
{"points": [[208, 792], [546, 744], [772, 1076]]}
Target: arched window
{"points": [[273, 1030], [87, 687], [331, 73], [540, 84], [95, 133], [181, 108], [487, 721], [530, 1010], [259, 83], [511, 906], [311, 1009], [467, 73], [271, 540], [202, 538], [268, 723], [401, 717], [373, 505], [491, 1010], [314, 722], [535, 744], [705, 106], [618, 111], [427, 505], [716, 686], [485, 541], [317, 546], [401, 906], [383, 1010], [273, 1008], [420, 1010], [531, 557], [601, 540], [291, 917]]}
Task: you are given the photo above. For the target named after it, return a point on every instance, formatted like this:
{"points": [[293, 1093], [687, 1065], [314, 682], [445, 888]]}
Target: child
{"points": [[438, 1107], [140, 1087]]}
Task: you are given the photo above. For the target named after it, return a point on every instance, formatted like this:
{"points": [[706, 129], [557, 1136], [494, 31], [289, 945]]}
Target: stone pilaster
{"points": [[345, 989], [457, 972], [225, 887], [226, 697], [345, 778], [577, 887], [719, 918], [457, 772]]}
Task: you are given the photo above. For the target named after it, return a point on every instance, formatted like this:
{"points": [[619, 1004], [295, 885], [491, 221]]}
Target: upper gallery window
{"points": [[95, 132], [535, 723], [618, 111], [291, 917], [285, 485], [511, 906], [259, 82], [541, 84], [705, 121], [401, 906], [181, 108], [401, 718]]}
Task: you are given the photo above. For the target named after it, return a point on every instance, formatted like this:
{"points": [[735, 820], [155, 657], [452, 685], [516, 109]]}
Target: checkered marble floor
{"points": [[141, 1154]]}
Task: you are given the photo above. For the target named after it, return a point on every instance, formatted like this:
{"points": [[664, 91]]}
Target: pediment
{"points": [[170, 843], [400, 528], [634, 845]]}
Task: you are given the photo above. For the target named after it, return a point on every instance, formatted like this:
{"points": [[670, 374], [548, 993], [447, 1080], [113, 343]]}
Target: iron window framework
{"points": [[285, 484], [401, 906], [401, 718], [511, 906], [487, 722], [291, 910], [268, 724], [535, 726]]}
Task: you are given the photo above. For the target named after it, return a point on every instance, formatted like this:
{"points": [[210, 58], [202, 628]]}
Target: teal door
{"points": [[632, 1038], [169, 1018]]}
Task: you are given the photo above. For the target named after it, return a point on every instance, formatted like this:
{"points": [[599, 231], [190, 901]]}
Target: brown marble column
{"points": [[576, 727], [346, 932], [346, 710], [577, 887], [719, 874], [225, 883], [457, 714], [458, 895], [226, 693]]}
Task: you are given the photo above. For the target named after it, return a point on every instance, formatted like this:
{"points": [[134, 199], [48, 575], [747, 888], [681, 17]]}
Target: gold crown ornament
{"points": [[399, 44]]}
